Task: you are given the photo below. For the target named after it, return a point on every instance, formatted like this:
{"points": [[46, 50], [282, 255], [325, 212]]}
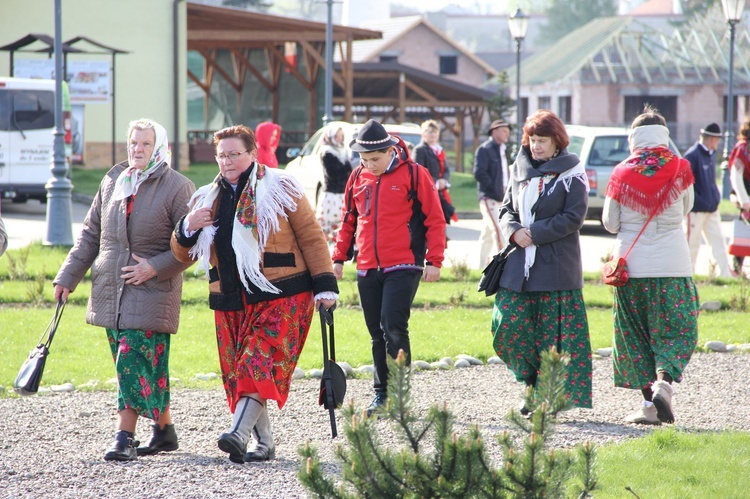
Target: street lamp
{"points": [[518, 24], [59, 187], [732, 13]]}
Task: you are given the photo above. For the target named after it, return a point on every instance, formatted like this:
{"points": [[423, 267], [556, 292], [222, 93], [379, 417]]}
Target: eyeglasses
{"points": [[232, 156]]}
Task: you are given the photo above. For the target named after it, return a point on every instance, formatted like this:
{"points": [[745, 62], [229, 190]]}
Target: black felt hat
{"points": [[371, 137], [711, 130]]}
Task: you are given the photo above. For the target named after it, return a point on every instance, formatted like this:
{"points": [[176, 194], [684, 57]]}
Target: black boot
{"points": [[161, 441], [122, 448]]}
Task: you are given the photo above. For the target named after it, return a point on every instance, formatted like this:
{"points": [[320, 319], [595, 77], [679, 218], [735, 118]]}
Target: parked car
{"points": [[306, 165], [27, 123], [600, 150]]}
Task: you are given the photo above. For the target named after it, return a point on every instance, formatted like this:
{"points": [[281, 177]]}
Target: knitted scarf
{"points": [[268, 194]]}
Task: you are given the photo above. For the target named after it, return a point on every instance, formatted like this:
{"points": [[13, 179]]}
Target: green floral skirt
{"points": [[528, 323], [656, 329], [142, 365]]}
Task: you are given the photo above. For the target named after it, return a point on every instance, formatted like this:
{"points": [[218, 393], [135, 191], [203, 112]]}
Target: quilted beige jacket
{"points": [[107, 243]]}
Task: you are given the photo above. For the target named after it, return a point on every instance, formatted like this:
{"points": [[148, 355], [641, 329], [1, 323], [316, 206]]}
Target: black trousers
{"points": [[386, 299]]}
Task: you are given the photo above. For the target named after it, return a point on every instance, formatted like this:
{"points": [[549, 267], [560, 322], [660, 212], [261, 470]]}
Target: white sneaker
{"points": [[663, 401], [645, 415]]}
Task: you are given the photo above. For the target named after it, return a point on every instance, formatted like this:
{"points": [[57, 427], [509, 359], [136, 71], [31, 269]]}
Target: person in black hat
{"points": [[492, 170], [704, 219], [392, 212]]}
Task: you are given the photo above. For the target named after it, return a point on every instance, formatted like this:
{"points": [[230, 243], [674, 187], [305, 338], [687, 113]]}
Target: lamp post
{"points": [[518, 24], [732, 13], [328, 114], [59, 187]]}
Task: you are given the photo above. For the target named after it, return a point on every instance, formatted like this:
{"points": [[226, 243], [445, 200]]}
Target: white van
{"points": [[27, 123]]}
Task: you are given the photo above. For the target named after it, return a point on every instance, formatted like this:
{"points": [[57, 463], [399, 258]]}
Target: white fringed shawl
{"points": [[271, 193]]}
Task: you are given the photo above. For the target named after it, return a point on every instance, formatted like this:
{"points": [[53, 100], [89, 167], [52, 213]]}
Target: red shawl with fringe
{"points": [[650, 180]]}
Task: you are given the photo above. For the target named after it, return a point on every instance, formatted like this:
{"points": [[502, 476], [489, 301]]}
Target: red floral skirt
{"points": [[259, 346]]}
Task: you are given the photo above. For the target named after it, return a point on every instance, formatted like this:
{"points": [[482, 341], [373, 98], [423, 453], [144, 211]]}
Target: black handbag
{"points": [[30, 374], [333, 383], [490, 280]]}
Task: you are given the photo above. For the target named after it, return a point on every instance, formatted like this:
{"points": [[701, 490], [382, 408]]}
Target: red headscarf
{"points": [[267, 143], [650, 180]]}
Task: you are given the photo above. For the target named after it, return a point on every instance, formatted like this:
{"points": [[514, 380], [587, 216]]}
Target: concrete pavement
{"points": [[26, 223]]}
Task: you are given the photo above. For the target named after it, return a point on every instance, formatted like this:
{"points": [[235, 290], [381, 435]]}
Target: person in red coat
{"points": [[392, 205], [267, 136]]}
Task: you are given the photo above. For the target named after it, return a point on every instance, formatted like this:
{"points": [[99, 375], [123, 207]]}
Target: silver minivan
{"points": [[600, 150]]}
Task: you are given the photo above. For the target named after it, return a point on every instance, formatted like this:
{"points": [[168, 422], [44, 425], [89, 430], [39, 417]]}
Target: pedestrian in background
{"points": [[739, 176], [394, 240], [540, 303], [704, 218], [269, 269], [491, 171], [430, 154], [268, 136], [136, 283], [3, 237], [656, 311], [337, 167]]}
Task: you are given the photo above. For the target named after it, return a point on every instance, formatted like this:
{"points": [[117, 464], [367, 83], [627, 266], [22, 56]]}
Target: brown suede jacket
{"points": [[295, 259]]}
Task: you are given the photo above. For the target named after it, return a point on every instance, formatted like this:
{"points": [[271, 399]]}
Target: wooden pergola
{"points": [[393, 91], [210, 29]]}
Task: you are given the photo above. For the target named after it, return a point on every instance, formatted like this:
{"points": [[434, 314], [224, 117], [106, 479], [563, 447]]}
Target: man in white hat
{"points": [[491, 171], [704, 219]]}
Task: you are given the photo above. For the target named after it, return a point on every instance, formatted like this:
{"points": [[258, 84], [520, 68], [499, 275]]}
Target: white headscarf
{"points": [[331, 146], [129, 180], [648, 136]]}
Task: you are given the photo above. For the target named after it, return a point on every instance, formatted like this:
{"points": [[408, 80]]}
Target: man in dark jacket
{"points": [[704, 218], [491, 170]]}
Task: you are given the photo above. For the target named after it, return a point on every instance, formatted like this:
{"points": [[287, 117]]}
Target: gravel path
{"points": [[52, 445]]}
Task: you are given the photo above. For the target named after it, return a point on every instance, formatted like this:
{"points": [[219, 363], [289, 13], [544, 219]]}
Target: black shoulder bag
{"points": [[490, 280], [30, 374]]}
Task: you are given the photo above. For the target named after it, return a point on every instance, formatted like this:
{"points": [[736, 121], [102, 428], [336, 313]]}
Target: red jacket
{"points": [[267, 137], [381, 214]]}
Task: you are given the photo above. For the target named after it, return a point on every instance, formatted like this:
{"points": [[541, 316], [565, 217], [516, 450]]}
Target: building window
{"points": [[524, 109], [665, 104], [388, 58], [448, 64], [735, 113], [544, 102], [563, 108]]}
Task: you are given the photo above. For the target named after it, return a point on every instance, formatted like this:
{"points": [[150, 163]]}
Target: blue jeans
{"points": [[386, 299]]}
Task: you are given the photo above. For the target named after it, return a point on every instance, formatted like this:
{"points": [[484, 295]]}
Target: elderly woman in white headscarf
{"points": [[268, 269], [336, 170], [136, 282]]}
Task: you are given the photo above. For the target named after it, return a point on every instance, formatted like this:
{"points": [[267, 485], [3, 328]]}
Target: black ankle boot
{"points": [[162, 440], [122, 448]]}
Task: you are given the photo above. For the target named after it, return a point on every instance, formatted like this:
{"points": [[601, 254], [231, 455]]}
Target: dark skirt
{"points": [[142, 365], [260, 345], [656, 329], [528, 323]]}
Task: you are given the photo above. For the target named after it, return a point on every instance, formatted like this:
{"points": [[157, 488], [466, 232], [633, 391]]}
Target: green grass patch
{"points": [[672, 463], [448, 317]]}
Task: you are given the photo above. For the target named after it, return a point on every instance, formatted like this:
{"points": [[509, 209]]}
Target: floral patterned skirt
{"points": [[328, 213], [528, 323], [656, 329], [142, 365], [259, 346]]}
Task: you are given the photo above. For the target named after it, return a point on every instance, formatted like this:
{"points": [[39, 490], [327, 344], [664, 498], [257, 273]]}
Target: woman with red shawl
{"points": [[267, 137], [739, 175], [656, 312]]}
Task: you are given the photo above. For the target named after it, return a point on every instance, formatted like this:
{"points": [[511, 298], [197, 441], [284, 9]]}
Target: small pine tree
{"points": [[456, 465]]}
